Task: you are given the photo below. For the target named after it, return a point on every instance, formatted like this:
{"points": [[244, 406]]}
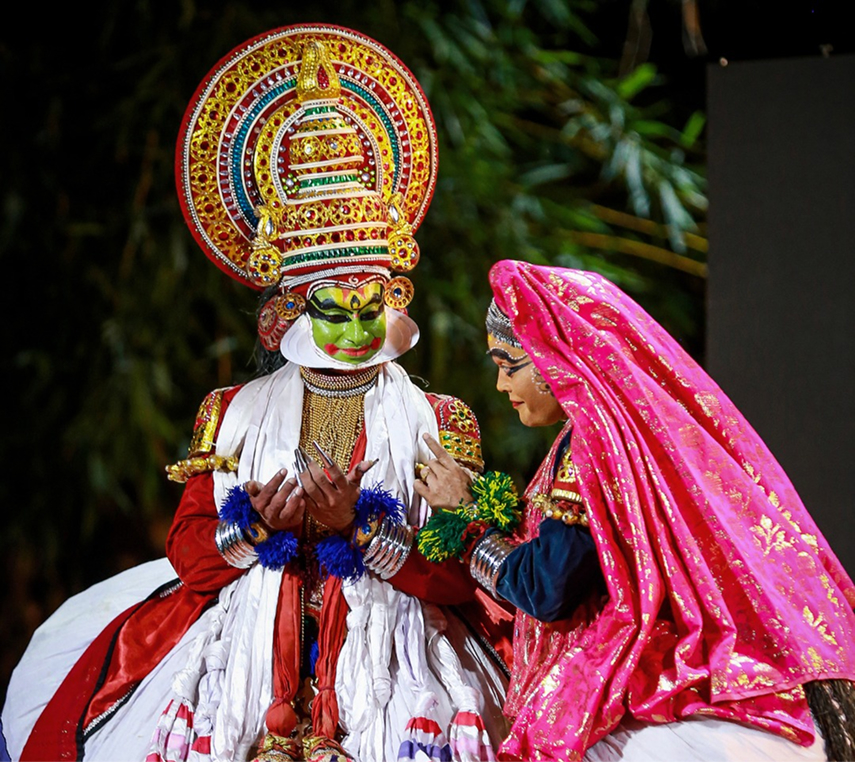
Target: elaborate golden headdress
{"points": [[308, 157]]}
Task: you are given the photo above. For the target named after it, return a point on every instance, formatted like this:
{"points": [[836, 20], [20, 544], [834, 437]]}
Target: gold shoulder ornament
{"points": [[201, 456]]}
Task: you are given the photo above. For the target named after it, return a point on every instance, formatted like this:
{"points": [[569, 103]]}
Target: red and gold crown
{"points": [[308, 157]]}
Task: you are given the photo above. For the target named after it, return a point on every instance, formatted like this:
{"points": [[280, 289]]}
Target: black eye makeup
{"points": [[511, 364], [318, 313], [330, 311], [510, 369]]}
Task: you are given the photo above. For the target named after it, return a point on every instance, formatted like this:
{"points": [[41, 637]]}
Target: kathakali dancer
{"points": [[675, 600], [291, 620]]}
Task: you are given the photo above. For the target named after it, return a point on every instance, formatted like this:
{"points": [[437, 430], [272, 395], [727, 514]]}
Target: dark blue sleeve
{"points": [[550, 575]]}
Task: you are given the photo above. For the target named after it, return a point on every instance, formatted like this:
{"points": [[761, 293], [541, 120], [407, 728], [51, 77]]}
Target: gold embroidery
{"points": [[207, 420], [559, 284], [749, 469], [709, 403], [829, 590], [760, 681], [583, 280], [665, 683], [462, 447], [576, 302], [772, 535], [690, 435], [184, 469], [787, 732], [459, 433], [604, 316], [813, 659], [566, 473], [551, 681], [819, 624]]}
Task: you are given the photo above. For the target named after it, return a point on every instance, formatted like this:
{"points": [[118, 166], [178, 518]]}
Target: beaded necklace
{"points": [[340, 385], [334, 412], [333, 416]]}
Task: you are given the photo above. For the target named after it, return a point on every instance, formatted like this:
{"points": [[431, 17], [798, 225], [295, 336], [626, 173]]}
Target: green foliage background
{"points": [[121, 325]]}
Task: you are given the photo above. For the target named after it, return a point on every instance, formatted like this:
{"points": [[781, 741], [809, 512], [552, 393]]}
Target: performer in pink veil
{"points": [[675, 600]]}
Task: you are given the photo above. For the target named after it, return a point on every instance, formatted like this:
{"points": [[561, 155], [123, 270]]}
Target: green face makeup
{"points": [[349, 324]]}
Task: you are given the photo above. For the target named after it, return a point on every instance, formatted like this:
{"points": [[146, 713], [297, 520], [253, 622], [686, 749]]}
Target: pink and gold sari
{"points": [[723, 596]]}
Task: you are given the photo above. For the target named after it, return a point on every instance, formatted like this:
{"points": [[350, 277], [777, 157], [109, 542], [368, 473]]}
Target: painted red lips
{"points": [[333, 349]]}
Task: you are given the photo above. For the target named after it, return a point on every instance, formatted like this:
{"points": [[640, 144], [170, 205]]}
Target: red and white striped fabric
{"points": [[174, 739], [424, 741], [468, 738]]}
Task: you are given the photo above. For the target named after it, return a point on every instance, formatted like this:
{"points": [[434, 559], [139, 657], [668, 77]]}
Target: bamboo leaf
{"points": [[693, 129], [637, 80]]}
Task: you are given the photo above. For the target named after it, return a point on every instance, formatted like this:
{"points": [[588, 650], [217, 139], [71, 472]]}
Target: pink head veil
{"points": [[723, 597]]}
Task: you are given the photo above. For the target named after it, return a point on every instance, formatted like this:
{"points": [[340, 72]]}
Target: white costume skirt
{"points": [[701, 739]]}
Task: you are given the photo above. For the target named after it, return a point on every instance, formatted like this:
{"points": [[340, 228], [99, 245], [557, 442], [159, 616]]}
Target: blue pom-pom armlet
{"points": [[237, 508], [276, 549], [375, 502], [342, 558], [336, 555]]}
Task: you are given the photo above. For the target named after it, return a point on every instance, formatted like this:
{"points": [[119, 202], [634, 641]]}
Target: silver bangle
{"points": [[233, 546], [388, 549], [487, 558]]}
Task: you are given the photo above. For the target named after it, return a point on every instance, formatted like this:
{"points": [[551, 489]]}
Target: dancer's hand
{"points": [[280, 502], [443, 482], [331, 494]]}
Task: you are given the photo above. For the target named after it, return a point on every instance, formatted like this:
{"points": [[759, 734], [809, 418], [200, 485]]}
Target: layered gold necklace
{"points": [[333, 416], [334, 412]]}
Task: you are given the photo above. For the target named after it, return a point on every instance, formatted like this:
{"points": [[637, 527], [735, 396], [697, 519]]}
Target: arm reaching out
{"points": [[443, 482]]}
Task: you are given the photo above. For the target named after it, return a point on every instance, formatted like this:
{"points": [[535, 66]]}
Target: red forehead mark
{"points": [[361, 292]]}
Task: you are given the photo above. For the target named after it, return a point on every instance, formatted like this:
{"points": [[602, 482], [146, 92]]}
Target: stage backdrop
{"points": [[781, 312]]}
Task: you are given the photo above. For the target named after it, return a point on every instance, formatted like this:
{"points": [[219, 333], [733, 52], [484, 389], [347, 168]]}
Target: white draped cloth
{"points": [[394, 654]]}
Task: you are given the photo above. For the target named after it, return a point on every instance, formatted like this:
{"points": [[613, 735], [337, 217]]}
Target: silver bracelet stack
{"points": [[233, 546], [388, 549], [487, 558]]}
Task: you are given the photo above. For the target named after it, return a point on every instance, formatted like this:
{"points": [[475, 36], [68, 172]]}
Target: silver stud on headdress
{"points": [[499, 325]]}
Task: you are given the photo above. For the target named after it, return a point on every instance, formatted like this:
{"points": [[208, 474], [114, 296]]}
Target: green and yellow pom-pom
{"points": [[442, 536], [447, 532], [496, 496]]}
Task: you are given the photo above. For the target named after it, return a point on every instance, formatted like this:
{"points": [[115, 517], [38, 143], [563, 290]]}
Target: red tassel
{"points": [[281, 719], [332, 631]]}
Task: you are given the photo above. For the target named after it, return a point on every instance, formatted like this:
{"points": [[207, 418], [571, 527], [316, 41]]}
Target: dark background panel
{"points": [[781, 286]]}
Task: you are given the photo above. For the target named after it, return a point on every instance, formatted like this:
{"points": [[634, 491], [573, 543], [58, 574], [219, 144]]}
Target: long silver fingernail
{"points": [[299, 463], [327, 458]]}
